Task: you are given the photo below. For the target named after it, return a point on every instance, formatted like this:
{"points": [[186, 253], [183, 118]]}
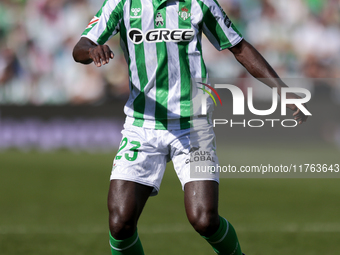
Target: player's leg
{"points": [[201, 205], [193, 148], [126, 201], [137, 173]]}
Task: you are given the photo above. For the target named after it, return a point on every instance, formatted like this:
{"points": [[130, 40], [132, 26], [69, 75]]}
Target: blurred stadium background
{"points": [[60, 126], [45, 96]]}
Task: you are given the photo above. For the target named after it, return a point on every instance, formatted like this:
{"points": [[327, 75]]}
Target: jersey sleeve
{"points": [[217, 26], [106, 23]]}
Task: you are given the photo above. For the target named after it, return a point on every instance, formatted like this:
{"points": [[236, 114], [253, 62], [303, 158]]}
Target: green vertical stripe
{"points": [[224, 15], [123, 37], [236, 30], [203, 67], [203, 70], [115, 16], [101, 9], [99, 13], [213, 26], [199, 47], [185, 101], [162, 76], [139, 102]]}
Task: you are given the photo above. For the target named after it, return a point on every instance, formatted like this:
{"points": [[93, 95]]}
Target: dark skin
{"points": [[259, 68], [86, 52], [126, 199]]}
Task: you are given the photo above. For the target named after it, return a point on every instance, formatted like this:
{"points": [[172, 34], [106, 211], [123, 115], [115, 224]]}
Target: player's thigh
{"points": [[201, 197], [195, 149], [141, 158], [201, 205], [126, 200]]}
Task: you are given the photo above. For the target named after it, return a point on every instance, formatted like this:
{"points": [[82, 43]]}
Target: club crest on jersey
{"points": [[135, 13], [93, 21], [184, 13], [159, 20]]}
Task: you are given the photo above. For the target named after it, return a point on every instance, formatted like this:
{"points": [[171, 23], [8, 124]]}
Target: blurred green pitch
{"points": [[55, 203]]}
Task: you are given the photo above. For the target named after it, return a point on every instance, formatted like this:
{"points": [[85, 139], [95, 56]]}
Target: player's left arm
{"points": [[258, 67]]}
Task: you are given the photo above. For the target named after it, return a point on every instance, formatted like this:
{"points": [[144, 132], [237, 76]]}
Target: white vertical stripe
{"points": [[232, 36], [128, 109], [174, 74], [151, 62], [100, 27], [196, 63], [194, 54], [150, 52]]}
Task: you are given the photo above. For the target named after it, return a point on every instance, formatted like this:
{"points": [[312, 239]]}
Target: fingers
{"points": [[101, 55], [107, 57], [299, 116]]}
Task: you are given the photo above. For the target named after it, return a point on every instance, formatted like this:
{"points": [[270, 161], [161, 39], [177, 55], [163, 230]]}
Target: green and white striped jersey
{"points": [[161, 40]]}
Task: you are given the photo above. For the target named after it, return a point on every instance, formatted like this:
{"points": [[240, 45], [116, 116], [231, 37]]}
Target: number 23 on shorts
{"points": [[133, 151]]}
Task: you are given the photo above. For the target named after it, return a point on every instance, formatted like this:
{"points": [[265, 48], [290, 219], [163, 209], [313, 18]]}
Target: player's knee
{"points": [[121, 226], [205, 223]]}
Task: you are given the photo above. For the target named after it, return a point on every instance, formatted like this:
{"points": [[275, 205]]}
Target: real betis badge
{"points": [[184, 13]]}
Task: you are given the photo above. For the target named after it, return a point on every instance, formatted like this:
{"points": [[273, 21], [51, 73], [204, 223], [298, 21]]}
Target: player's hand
{"points": [[101, 55], [299, 116]]}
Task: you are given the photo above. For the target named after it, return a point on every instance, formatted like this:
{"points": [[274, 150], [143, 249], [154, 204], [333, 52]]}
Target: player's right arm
{"points": [[86, 52], [105, 24]]}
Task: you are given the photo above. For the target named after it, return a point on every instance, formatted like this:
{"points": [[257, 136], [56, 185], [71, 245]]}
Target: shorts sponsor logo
{"points": [[160, 35], [200, 156]]}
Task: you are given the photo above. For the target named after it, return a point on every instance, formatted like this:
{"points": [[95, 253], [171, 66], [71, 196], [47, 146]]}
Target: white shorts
{"points": [[143, 154]]}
